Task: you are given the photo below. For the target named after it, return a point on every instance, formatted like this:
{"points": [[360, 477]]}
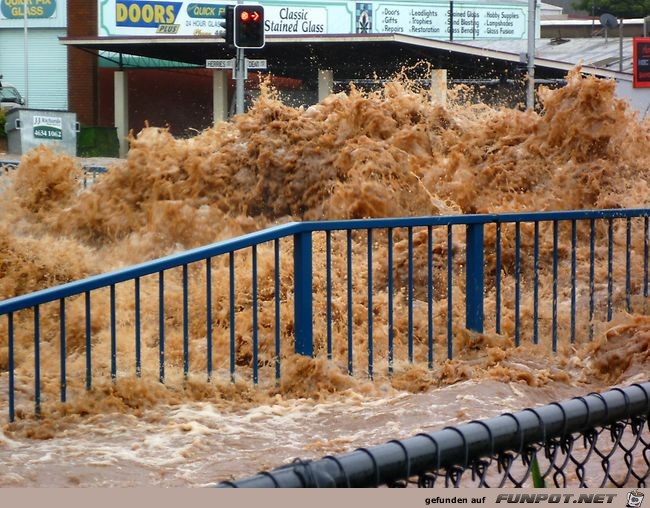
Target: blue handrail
{"points": [[473, 264], [294, 228], [147, 268]]}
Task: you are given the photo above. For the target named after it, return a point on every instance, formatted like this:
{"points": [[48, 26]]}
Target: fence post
{"points": [[302, 266], [474, 273]]}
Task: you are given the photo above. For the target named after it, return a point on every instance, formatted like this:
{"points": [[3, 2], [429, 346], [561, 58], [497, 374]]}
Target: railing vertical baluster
{"points": [[231, 268], [328, 275], [592, 254], [430, 297], [390, 300], [186, 319], [450, 282], [303, 297], [208, 315], [350, 313], [474, 277], [536, 285], [37, 361], [113, 334], [370, 348], [10, 353], [276, 249], [62, 347], [161, 325], [574, 240], [610, 266], [517, 280], [628, 261], [497, 281], [645, 264], [138, 327], [89, 373], [254, 290], [554, 303], [410, 294]]}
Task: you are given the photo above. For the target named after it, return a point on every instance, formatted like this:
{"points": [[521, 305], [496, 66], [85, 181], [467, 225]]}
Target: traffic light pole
{"points": [[240, 73], [245, 29]]}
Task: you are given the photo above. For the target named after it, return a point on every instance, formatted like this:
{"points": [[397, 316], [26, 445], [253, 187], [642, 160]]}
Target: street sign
{"points": [[255, 64], [220, 64]]}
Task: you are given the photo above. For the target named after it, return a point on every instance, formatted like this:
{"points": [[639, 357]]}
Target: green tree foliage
{"points": [[619, 8]]}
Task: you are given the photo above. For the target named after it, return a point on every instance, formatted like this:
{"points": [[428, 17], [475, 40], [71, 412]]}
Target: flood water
{"points": [[389, 153]]}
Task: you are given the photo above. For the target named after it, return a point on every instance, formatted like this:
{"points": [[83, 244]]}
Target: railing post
{"points": [[302, 266], [474, 272]]}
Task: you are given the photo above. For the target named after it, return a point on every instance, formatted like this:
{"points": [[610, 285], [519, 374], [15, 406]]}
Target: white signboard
{"points": [[255, 64], [220, 64], [299, 17], [295, 20], [468, 21], [48, 127]]}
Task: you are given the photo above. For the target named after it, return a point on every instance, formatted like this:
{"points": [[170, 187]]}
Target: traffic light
{"points": [[249, 26], [227, 24]]}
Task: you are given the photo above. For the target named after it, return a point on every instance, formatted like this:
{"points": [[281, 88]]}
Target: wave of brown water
{"points": [[389, 153]]}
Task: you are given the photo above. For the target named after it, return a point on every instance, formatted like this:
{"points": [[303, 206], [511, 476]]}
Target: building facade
{"points": [[31, 57]]}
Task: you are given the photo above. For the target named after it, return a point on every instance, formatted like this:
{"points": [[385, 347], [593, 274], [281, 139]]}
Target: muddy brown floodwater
{"points": [[389, 153]]}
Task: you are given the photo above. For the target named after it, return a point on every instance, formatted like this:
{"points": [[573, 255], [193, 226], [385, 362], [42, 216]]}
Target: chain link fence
{"points": [[600, 440]]}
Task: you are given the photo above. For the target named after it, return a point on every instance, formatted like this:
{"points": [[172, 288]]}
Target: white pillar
{"points": [[121, 98], [439, 86], [325, 83], [219, 95]]}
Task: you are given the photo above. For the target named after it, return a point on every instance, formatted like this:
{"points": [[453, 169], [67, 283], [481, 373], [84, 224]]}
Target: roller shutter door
{"points": [[47, 62]]}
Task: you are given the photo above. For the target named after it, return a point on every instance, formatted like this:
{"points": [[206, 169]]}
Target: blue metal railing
{"points": [[421, 271], [90, 171]]}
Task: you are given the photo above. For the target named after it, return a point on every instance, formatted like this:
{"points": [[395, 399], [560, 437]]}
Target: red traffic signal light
{"points": [[249, 26]]}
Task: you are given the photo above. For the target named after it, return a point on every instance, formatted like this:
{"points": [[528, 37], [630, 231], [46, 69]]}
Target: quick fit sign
{"points": [[206, 11], [48, 127], [36, 9]]}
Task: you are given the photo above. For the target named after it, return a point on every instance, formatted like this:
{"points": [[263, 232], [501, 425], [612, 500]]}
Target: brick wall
{"points": [[82, 65]]}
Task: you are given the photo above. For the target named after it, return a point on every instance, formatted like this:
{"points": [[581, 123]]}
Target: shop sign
{"points": [[437, 20], [36, 9]]}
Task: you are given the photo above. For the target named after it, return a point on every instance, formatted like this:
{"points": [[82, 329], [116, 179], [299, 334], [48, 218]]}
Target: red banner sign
{"points": [[641, 62]]}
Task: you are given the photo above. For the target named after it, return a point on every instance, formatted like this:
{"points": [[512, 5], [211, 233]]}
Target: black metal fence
{"points": [[600, 440]]}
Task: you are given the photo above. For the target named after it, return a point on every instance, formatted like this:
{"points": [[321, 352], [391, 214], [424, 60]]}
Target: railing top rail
{"points": [[93, 168], [277, 232], [146, 268], [615, 213], [445, 220]]}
